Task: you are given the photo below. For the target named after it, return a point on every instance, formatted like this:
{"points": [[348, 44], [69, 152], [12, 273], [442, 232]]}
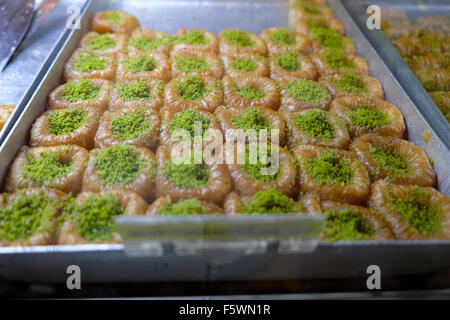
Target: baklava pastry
{"points": [[346, 222], [76, 125], [363, 115], [244, 65], [333, 174], [291, 65], [412, 212], [234, 41], [396, 160], [109, 43], [166, 206], [430, 60], [121, 167], [185, 179], [306, 26], [29, 217], [135, 126], [309, 11], [5, 112], [329, 39], [414, 46], [251, 91], [194, 92], [59, 167], [92, 93], [92, 219], [434, 79], [114, 22], [199, 39], [315, 127], [145, 93], [174, 119], [134, 66], [251, 118], [353, 84], [253, 173], [144, 40], [442, 100], [329, 62], [302, 94], [189, 61], [280, 40], [86, 64]]}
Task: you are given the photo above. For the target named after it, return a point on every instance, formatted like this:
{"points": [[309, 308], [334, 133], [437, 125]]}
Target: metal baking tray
{"points": [[413, 9], [142, 262]]}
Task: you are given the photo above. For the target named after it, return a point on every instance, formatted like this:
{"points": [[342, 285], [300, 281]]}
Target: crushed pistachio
{"points": [[135, 91], [192, 89], [46, 168], [188, 206], [329, 38], [329, 168], [67, 120], [350, 82], [101, 42], [316, 123], [193, 37], [283, 36], [186, 120], [114, 17], [187, 175], [239, 38], [347, 225], [311, 9], [255, 170], [337, 59], [367, 116], [250, 119], [146, 44], [307, 90], [390, 160], [249, 92], [130, 126], [187, 64], [140, 64], [83, 89], [289, 61], [244, 64], [269, 201], [90, 62]]}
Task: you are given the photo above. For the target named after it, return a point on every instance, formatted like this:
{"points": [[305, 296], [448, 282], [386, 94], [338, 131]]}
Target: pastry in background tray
{"points": [[235, 41], [145, 93], [394, 23], [110, 43], [280, 40], [92, 216], [412, 212], [306, 26], [144, 40], [5, 112], [302, 94], [200, 39], [243, 65], [114, 22], [187, 61], [329, 62], [353, 84], [134, 66], [166, 206], [442, 100], [291, 65], [85, 64], [309, 11]]}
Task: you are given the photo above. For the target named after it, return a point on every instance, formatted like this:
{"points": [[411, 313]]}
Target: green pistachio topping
{"points": [[283, 36], [350, 82], [311, 9], [244, 64], [417, 212], [192, 38], [46, 168], [130, 126], [114, 17], [269, 201], [187, 64], [90, 62], [140, 64], [186, 120], [135, 91], [250, 119], [317, 23], [289, 61], [94, 219], [192, 89], [329, 38], [255, 170], [67, 120], [83, 89], [249, 92], [188, 206], [347, 225], [329, 168], [390, 160], [101, 42], [337, 59], [146, 44], [187, 175], [239, 38], [316, 123], [367, 116], [118, 164], [26, 216], [307, 91]]}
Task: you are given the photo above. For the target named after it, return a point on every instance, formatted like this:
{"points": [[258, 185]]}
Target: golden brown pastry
{"points": [[86, 64], [200, 39], [235, 41], [187, 61], [134, 66], [114, 22]]}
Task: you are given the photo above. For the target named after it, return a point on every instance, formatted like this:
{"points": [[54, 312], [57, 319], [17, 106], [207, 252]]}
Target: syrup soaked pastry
{"points": [[92, 219], [166, 206], [302, 94], [353, 84], [188, 61], [396, 160], [60, 167], [184, 178], [271, 201], [194, 92], [434, 79], [29, 217], [111, 43], [280, 40], [134, 66], [114, 22], [250, 92], [329, 62], [363, 115], [324, 38], [346, 222], [85, 64], [235, 41], [315, 127], [309, 11], [76, 125], [200, 39], [333, 174], [92, 93], [412, 212], [144, 40], [121, 167], [291, 65], [145, 93], [130, 125], [244, 65], [306, 26]]}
